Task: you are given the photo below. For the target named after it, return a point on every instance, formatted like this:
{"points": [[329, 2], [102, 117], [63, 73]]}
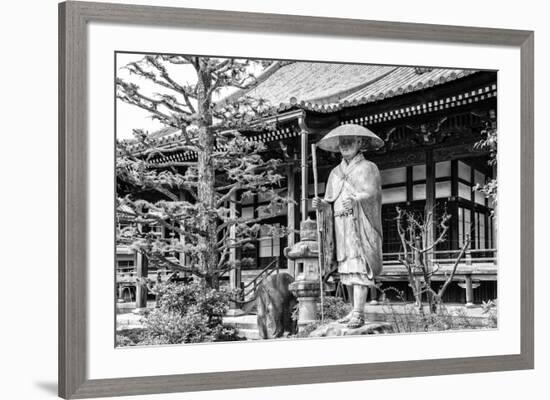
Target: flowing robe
{"points": [[353, 240]]}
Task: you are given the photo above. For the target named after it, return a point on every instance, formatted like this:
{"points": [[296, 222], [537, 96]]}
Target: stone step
{"points": [[245, 325], [242, 321], [249, 334]]}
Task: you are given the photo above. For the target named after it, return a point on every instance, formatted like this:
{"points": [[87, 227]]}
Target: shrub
{"points": [[490, 311], [335, 308], [123, 341], [129, 337], [188, 313], [409, 318]]}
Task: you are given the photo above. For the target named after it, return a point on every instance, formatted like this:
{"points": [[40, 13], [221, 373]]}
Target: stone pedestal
{"points": [[307, 293], [306, 286]]}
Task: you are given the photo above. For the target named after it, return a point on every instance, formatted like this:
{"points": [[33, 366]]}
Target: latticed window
{"points": [[270, 244], [125, 265], [394, 185], [464, 224], [480, 230]]}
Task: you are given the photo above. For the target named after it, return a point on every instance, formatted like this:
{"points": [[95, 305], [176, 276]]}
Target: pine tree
{"points": [[224, 165]]}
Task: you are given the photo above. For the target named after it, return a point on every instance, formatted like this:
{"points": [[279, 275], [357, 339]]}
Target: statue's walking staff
{"points": [[319, 230]]}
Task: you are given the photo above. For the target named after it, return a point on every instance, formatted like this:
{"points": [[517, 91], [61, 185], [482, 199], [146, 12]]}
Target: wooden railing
{"points": [[251, 286], [129, 275], [473, 257], [487, 256]]}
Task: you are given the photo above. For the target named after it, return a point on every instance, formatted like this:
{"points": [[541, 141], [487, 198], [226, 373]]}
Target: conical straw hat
{"points": [[330, 141]]}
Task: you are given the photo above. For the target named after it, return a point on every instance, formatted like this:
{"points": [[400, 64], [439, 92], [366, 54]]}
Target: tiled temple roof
{"points": [[325, 87]]}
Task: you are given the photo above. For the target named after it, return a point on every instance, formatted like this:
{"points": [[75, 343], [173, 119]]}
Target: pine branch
{"points": [[131, 95], [168, 83], [177, 60], [173, 84], [167, 193], [237, 243], [176, 266]]}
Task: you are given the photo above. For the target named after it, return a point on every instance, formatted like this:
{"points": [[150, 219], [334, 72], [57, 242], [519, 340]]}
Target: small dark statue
{"points": [[275, 304]]}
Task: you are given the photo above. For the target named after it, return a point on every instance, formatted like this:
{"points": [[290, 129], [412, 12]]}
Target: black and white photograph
{"points": [[263, 199], [275, 200]]}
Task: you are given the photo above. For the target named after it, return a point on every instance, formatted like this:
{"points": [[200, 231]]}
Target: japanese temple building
{"points": [[430, 120]]}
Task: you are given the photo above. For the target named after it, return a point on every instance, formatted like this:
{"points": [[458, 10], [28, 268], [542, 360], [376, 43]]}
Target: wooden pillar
{"points": [[494, 217], [120, 292], [142, 271], [409, 187], [454, 179], [455, 243], [373, 295], [430, 205], [255, 215], [183, 258], [291, 214], [235, 274], [473, 219], [234, 253], [304, 170], [469, 291], [468, 257]]}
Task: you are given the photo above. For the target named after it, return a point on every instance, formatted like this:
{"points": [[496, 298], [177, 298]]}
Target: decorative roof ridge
{"points": [[480, 93], [335, 106], [177, 135]]}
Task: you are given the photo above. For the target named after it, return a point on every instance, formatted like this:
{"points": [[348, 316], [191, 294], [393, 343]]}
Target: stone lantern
{"points": [[306, 286]]}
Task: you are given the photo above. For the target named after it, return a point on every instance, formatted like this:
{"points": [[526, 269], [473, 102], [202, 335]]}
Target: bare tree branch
{"points": [[455, 266]]}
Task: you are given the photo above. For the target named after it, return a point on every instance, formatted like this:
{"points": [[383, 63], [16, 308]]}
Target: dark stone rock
{"points": [[336, 329], [275, 304]]}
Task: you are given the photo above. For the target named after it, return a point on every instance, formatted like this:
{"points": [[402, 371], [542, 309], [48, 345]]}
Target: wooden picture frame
{"points": [[73, 200]]}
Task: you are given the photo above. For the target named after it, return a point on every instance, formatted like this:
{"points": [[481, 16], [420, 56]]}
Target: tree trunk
{"points": [[208, 258], [430, 296], [423, 264]]}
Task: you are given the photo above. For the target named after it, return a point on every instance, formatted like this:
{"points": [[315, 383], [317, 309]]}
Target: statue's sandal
{"points": [[356, 321]]}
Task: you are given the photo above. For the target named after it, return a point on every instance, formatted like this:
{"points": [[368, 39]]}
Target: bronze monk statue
{"points": [[352, 211]]}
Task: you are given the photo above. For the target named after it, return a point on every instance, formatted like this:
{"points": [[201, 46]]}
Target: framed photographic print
{"points": [[343, 197]]}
